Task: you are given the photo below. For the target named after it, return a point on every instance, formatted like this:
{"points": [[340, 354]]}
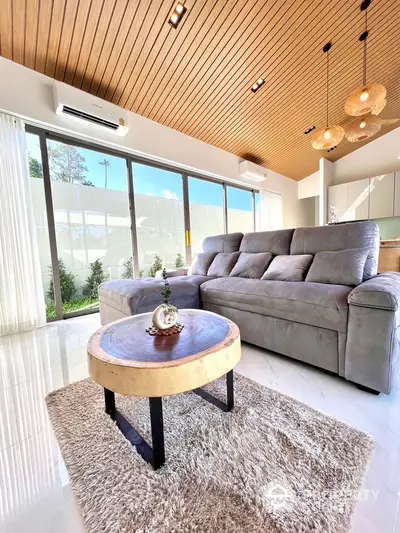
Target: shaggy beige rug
{"points": [[271, 465]]}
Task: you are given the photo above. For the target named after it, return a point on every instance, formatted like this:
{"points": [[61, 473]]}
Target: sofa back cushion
{"points": [[275, 242], [345, 267], [222, 243], [289, 267], [364, 235], [251, 265], [223, 264], [201, 264]]}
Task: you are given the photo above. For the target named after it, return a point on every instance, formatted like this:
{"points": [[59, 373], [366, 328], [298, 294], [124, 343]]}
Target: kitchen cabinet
{"points": [[337, 198], [358, 200], [381, 199], [397, 194]]}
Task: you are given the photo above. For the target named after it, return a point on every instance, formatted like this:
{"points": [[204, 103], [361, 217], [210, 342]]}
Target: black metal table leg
{"points": [[154, 455], [228, 406], [157, 432], [109, 398]]}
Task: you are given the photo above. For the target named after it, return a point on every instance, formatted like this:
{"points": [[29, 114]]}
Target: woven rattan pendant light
{"points": [[370, 97], [363, 128], [330, 136]]}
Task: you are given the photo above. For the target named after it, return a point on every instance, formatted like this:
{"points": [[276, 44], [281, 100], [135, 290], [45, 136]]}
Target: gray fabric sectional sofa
{"points": [[312, 294]]}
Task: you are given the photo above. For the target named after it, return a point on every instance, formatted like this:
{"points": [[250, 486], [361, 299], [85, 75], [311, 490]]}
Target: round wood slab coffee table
{"points": [[124, 358]]}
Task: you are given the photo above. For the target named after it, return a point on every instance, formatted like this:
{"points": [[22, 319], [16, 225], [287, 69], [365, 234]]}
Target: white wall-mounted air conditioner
{"points": [[251, 171], [83, 107]]}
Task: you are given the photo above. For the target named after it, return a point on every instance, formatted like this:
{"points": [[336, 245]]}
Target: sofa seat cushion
{"points": [[307, 303], [134, 296]]}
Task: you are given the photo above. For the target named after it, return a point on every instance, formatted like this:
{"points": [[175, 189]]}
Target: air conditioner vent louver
{"points": [[73, 104], [89, 118]]}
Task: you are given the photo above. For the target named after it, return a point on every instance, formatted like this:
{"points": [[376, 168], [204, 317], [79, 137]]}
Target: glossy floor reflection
{"points": [[34, 493]]}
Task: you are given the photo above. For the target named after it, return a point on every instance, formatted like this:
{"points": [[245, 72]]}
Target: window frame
{"points": [[45, 134]]}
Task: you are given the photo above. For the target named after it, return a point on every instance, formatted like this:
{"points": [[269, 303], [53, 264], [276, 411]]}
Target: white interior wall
{"points": [[326, 179], [380, 156], [28, 94], [309, 186]]}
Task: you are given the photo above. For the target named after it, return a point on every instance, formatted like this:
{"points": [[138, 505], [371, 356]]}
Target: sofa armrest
{"points": [[372, 345], [172, 273], [379, 292]]}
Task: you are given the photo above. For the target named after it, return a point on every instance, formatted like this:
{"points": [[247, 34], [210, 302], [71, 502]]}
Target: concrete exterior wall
{"points": [[94, 223]]}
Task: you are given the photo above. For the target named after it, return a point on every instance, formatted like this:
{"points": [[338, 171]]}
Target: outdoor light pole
{"points": [[105, 163]]}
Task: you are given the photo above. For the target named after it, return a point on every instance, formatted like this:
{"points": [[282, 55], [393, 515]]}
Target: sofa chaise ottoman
{"points": [[312, 294]]}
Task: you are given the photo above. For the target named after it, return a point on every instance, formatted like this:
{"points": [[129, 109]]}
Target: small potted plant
{"points": [[166, 314]]}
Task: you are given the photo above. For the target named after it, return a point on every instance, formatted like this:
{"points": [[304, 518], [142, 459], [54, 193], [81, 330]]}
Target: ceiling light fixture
{"points": [[257, 85], [309, 130], [370, 97], [329, 137], [365, 127], [177, 15]]}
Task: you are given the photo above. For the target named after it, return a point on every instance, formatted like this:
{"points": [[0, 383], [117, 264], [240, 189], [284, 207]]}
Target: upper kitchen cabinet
{"points": [[350, 200], [397, 195], [358, 199], [381, 200], [337, 198]]}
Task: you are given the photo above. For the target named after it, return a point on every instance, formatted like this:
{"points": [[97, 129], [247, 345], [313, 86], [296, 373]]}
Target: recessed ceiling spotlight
{"points": [[177, 15], [257, 85], [331, 149], [309, 130]]}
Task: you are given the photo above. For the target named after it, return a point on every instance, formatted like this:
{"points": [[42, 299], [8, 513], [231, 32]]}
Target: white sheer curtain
{"points": [[271, 211], [22, 305]]}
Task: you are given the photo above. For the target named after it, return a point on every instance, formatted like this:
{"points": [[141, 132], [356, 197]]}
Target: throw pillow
{"points": [[201, 264], [345, 267], [251, 265], [288, 267], [223, 264]]}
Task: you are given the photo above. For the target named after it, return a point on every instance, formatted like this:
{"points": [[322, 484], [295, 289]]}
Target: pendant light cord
{"points": [[327, 89], [365, 50]]}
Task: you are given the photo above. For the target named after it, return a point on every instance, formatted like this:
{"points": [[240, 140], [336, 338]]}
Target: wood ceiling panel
{"points": [[241, 59], [197, 78], [279, 98], [300, 118], [32, 19], [18, 21], [208, 44], [285, 70], [173, 46], [81, 24], [75, 72], [54, 40], [43, 34], [147, 29], [6, 29]]}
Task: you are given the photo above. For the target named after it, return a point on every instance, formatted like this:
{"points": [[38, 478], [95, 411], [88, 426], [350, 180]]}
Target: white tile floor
{"points": [[34, 492]]}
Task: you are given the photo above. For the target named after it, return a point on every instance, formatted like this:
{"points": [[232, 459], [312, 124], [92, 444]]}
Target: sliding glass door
{"points": [[160, 221], [240, 207], [102, 215], [206, 205], [40, 213], [92, 222]]}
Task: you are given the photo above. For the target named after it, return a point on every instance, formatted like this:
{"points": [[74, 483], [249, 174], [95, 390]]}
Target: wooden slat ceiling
{"points": [[197, 78]]}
